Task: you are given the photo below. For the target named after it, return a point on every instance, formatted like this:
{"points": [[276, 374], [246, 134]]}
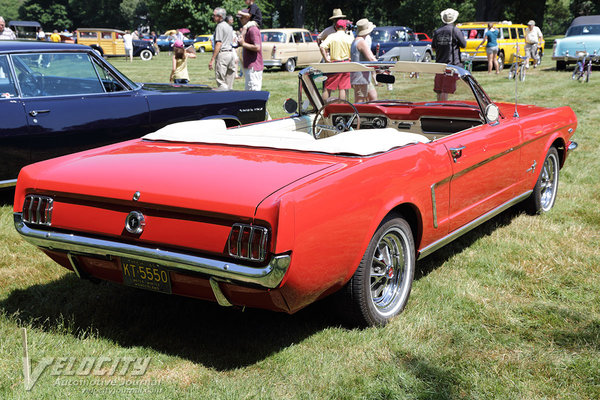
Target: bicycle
{"points": [[467, 59], [518, 67], [583, 68]]}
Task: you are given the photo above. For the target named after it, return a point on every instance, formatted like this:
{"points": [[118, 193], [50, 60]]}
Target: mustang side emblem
{"points": [[135, 222]]}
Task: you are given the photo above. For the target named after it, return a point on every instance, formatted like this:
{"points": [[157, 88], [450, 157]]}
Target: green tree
{"points": [[584, 7], [51, 15], [557, 17], [9, 9]]}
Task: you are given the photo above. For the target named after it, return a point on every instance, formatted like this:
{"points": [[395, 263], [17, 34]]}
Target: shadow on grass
{"points": [[439, 257], [202, 332]]}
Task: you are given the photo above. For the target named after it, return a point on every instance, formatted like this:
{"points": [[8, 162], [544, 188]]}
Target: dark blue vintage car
{"points": [[58, 98], [399, 43]]}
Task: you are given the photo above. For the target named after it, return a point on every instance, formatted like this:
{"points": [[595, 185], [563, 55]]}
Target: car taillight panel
{"points": [[248, 242], [38, 209], [273, 52]]}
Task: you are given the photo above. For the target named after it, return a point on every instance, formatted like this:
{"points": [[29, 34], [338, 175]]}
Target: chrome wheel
{"points": [[546, 187], [549, 182], [380, 286], [388, 280]]}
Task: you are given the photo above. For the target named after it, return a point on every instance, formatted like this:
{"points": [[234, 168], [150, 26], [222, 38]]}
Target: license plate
{"points": [[145, 275]]}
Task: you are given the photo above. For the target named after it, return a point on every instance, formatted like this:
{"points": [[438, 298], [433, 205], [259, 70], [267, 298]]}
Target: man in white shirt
{"points": [[6, 33], [533, 38]]}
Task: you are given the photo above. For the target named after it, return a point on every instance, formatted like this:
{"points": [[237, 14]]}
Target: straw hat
{"points": [[449, 15], [337, 13], [364, 27], [531, 22]]}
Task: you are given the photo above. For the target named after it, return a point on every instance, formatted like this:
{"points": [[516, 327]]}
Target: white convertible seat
{"points": [[288, 134]]}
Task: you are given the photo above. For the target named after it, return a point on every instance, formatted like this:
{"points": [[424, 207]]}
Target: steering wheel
{"points": [[319, 126], [30, 83]]}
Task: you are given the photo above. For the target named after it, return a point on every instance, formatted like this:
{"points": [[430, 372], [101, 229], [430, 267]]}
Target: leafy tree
{"points": [[584, 7], [557, 17], [50, 14], [9, 9]]}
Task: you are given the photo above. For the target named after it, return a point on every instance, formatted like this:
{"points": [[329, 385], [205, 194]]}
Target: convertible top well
{"points": [[288, 134]]}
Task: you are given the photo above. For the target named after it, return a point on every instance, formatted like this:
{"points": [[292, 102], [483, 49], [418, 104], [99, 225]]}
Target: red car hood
{"points": [[226, 180]]}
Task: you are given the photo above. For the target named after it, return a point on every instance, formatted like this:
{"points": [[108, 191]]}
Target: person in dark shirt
{"points": [[448, 40], [254, 12]]}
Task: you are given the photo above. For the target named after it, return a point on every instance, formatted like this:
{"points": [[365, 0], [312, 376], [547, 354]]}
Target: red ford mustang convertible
{"points": [[340, 197]]}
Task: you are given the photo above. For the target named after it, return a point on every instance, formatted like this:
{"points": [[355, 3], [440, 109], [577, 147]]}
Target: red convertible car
{"points": [[340, 197]]}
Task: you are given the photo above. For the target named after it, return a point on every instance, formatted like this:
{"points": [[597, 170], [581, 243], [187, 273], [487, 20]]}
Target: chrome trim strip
{"points": [[434, 206], [473, 224], [219, 295], [8, 183], [268, 276]]}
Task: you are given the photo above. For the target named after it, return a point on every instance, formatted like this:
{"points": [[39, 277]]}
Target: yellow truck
{"points": [[510, 37]]}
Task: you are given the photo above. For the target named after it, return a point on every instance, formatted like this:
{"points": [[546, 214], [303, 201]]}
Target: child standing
{"points": [[179, 72]]}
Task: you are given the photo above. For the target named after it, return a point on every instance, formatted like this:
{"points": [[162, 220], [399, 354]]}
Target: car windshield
{"points": [[584, 30], [379, 35], [278, 37]]}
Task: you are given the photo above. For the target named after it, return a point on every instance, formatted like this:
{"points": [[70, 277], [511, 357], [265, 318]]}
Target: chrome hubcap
{"points": [[388, 269], [548, 183]]}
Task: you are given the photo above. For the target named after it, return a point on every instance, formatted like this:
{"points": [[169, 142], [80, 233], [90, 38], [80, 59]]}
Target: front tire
{"points": [[146, 55], [380, 286], [427, 57], [201, 49], [561, 65], [544, 192]]}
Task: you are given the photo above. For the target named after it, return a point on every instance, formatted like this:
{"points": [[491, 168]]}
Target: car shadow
{"points": [[202, 332]]}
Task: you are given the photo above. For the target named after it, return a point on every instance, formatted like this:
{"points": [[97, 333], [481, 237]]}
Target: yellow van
{"points": [[109, 43], [510, 35]]}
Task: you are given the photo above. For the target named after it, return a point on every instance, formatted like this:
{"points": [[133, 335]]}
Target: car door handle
{"points": [[34, 113], [456, 152]]}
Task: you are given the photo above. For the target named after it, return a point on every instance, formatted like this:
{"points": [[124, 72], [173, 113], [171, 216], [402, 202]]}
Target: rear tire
{"points": [[522, 72], [290, 65], [146, 55], [544, 192], [561, 65], [380, 286], [427, 57], [201, 49]]}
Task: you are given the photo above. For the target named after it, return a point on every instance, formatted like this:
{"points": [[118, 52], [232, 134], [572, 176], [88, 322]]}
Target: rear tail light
{"points": [[377, 50], [273, 51], [38, 209], [248, 242]]}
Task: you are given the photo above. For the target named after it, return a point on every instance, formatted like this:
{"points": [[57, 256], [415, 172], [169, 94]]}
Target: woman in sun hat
{"points": [[448, 40], [361, 51], [179, 72]]}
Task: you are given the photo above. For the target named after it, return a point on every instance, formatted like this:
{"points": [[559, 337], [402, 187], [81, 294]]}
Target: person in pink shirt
{"points": [[251, 43]]}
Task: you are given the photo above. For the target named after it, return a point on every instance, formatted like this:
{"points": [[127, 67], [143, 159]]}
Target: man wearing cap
{"points": [[336, 48], [448, 40], [533, 37], [337, 15], [223, 58], [251, 43]]}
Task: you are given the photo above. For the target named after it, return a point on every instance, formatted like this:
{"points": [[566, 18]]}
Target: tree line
{"points": [[553, 16]]}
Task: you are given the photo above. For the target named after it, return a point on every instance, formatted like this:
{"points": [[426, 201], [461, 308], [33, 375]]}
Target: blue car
{"points": [[583, 35], [58, 98], [399, 43], [165, 43]]}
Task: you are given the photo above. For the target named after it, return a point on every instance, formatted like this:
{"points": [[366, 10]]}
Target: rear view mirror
{"points": [[385, 78]]}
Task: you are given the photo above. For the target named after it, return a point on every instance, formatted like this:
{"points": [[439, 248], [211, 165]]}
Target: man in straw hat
{"points": [[448, 40], [361, 51], [533, 37], [337, 15]]}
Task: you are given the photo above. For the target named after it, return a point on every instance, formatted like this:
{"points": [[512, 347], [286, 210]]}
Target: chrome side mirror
{"points": [[492, 113]]}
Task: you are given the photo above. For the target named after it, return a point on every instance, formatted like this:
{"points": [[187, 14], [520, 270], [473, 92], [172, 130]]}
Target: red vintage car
{"points": [[340, 197]]}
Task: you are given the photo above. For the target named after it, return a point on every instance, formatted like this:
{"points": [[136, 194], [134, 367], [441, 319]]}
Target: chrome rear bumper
{"points": [[268, 276]]}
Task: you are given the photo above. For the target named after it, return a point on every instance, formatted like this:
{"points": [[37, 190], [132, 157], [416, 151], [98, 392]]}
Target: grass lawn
{"points": [[509, 311]]}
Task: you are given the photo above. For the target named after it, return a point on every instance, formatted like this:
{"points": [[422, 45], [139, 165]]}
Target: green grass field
{"points": [[509, 311]]}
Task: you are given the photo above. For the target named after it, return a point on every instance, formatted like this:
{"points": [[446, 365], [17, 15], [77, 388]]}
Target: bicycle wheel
{"points": [[588, 72], [512, 71], [522, 72], [575, 72]]}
